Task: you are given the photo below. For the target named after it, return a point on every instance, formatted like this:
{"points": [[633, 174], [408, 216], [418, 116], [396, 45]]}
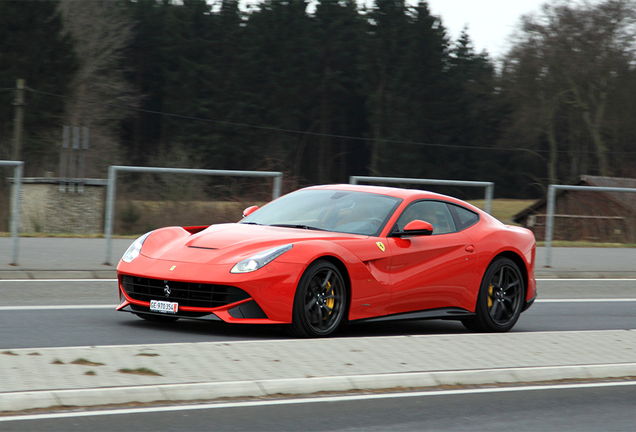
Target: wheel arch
{"points": [[344, 272], [303, 325], [518, 260], [483, 320]]}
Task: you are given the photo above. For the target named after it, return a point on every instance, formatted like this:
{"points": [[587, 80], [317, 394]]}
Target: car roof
{"points": [[405, 194], [381, 190]]}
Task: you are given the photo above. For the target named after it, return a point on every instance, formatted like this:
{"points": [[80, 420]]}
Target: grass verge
{"points": [[139, 371], [84, 362]]}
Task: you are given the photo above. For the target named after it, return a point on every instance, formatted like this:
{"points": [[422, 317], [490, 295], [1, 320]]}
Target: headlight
{"points": [[260, 260], [135, 248]]}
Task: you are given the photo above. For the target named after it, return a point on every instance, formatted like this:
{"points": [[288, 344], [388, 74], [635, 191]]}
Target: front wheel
{"points": [[500, 299], [320, 303]]}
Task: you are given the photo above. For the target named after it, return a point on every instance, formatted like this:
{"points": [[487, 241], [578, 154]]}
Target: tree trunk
{"points": [[594, 124], [554, 152], [324, 153], [374, 165]]}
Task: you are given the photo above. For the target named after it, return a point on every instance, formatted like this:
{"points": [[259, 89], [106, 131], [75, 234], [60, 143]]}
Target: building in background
{"points": [[587, 216]]}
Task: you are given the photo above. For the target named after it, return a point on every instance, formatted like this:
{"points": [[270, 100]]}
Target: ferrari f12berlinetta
{"points": [[325, 255]]}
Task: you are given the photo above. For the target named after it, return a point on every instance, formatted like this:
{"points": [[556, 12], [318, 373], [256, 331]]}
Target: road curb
{"points": [[20, 401]]}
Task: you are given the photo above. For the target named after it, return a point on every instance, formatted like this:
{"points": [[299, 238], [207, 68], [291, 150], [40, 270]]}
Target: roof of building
{"points": [[627, 200]]}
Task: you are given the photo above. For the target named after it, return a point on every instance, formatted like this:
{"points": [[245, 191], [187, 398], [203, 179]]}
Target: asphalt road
{"points": [[81, 313], [42, 292], [576, 408]]}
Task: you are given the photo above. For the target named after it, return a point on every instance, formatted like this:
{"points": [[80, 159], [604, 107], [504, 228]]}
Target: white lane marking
{"points": [[112, 306], [115, 280], [586, 300], [583, 280], [56, 307], [295, 401], [57, 280]]}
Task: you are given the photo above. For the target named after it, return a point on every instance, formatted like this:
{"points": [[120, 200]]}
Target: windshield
{"points": [[338, 211]]}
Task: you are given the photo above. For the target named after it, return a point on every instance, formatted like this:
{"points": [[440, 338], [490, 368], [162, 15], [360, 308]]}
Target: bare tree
{"points": [[564, 65], [530, 83], [101, 31]]}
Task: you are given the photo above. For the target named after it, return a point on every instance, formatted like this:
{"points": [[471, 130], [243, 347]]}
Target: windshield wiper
{"points": [[299, 226], [249, 223]]}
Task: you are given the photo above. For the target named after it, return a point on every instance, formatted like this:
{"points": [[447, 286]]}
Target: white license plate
{"points": [[164, 306]]}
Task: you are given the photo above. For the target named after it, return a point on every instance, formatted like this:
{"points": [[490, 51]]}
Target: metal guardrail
{"points": [[490, 186], [112, 184], [18, 167], [549, 223]]}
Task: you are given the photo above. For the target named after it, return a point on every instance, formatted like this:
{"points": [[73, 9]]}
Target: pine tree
{"points": [[33, 48]]}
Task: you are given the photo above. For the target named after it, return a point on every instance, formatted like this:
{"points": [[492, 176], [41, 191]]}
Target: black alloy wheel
{"points": [[500, 299], [320, 303]]}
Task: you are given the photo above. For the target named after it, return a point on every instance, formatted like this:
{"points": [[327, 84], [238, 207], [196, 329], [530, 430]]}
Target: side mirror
{"points": [[414, 228], [248, 211]]}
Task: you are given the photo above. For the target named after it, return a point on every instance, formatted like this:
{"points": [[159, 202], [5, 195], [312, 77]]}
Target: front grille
{"points": [[184, 293]]}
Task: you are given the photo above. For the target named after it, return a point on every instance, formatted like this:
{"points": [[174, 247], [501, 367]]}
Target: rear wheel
{"points": [[500, 298], [320, 302]]}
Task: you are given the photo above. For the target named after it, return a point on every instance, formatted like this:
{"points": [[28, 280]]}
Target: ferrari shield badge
{"points": [[381, 246], [173, 267]]}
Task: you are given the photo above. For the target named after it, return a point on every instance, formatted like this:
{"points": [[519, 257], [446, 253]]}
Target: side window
{"points": [[464, 217], [434, 212]]}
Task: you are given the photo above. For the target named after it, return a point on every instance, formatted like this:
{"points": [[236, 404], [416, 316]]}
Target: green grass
{"points": [[84, 362], [504, 209]]}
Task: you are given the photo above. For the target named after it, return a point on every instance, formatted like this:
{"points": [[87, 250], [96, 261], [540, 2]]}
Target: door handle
{"points": [[470, 248]]}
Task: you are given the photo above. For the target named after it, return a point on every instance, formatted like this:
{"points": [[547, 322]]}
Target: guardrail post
{"points": [[549, 225], [278, 186], [490, 191], [15, 211], [112, 185], [110, 205]]}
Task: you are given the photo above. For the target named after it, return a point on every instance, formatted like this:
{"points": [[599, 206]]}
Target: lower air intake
{"points": [[185, 293]]}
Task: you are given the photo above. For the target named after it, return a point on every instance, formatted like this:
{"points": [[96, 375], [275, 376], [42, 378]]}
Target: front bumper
{"points": [[210, 292]]}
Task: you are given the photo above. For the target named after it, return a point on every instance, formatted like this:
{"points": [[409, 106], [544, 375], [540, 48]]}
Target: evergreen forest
{"points": [[323, 89]]}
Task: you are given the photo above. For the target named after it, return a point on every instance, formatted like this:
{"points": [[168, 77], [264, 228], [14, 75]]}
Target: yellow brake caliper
{"points": [[330, 301], [490, 288]]}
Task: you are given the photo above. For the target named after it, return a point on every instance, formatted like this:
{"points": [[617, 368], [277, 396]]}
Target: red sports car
{"points": [[324, 255]]}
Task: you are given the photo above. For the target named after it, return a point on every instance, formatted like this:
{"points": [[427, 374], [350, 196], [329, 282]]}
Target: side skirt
{"points": [[442, 313], [529, 303]]}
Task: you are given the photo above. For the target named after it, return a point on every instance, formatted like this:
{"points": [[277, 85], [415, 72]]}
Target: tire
{"points": [[157, 318], [500, 299], [320, 303]]}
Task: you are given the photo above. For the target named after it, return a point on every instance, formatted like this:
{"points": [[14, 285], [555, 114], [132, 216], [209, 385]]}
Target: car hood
{"points": [[223, 243]]}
